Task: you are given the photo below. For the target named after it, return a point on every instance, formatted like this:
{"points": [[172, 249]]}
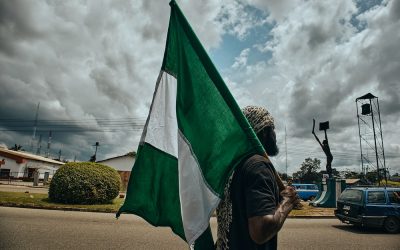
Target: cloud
{"points": [[95, 63], [237, 18], [241, 60], [321, 62], [86, 61]]}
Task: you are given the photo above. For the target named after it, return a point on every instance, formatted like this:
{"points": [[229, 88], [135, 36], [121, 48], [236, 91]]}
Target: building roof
{"points": [[21, 155], [130, 154], [352, 181], [366, 96]]}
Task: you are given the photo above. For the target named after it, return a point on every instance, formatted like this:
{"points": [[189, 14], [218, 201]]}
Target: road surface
{"points": [[51, 229]]}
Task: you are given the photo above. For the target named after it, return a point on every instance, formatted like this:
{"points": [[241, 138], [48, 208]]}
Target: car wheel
{"points": [[391, 225]]}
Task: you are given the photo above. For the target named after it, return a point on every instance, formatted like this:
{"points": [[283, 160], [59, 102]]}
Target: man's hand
{"points": [[289, 195], [263, 228]]}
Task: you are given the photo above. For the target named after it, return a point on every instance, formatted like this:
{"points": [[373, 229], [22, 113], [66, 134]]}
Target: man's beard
{"points": [[272, 150]]}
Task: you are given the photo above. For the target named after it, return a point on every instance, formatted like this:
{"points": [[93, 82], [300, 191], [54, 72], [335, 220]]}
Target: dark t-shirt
{"points": [[254, 192]]}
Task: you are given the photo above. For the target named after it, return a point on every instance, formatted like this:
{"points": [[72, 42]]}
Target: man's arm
{"points": [[316, 137], [263, 228]]}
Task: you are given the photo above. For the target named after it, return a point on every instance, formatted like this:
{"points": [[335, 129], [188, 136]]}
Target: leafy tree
{"points": [[335, 173], [283, 176], [372, 176], [308, 170], [16, 147]]}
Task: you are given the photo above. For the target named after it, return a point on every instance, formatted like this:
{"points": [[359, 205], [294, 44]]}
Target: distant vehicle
{"points": [[370, 207], [306, 191]]}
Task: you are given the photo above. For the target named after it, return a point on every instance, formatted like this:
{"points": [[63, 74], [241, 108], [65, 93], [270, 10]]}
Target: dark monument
{"points": [[325, 145]]}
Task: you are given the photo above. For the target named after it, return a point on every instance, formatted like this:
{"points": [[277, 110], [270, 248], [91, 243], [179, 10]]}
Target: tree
{"points": [[372, 176], [334, 173], [308, 170], [283, 176], [16, 147]]}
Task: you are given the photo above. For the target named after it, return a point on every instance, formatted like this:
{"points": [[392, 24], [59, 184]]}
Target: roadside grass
{"points": [[308, 210], [34, 200], [390, 183]]}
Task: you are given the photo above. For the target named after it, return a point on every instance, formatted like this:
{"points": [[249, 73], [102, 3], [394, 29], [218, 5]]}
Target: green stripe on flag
{"points": [[153, 186], [207, 113], [214, 136]]}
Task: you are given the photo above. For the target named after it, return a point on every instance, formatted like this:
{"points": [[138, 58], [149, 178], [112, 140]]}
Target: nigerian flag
{"points": [[194, 137]]}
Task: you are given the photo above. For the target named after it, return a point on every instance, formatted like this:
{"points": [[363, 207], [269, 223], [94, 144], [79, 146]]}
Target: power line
{"points": [[74, 125]]}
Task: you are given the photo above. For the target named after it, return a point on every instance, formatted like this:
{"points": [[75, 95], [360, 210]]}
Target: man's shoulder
{"points": [[256, 160], [257, 164]]}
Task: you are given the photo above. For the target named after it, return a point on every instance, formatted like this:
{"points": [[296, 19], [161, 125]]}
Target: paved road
{"points": [[48, 229]]}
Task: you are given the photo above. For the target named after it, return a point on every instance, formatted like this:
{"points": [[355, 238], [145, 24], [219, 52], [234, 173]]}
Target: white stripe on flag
{"points": [[197, 200], [162, 127]]}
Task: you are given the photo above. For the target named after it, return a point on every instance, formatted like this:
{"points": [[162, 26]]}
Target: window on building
{"points": [[4, 173]]}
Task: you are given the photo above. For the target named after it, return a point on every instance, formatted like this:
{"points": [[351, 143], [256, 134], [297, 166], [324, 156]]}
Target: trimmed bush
{"points": [[84, 183]]}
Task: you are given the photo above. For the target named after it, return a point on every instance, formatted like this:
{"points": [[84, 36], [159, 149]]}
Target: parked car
{"points": [[370, 207], [306, 191]]}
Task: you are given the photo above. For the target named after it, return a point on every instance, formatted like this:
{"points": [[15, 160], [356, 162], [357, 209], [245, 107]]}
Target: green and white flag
{"points": [[194, 137]]}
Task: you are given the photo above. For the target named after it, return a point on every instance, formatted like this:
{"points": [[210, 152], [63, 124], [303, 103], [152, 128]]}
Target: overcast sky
{"points": [[93, 65]]}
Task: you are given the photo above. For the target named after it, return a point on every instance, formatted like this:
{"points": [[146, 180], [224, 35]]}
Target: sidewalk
{"points": [[23, 188]]}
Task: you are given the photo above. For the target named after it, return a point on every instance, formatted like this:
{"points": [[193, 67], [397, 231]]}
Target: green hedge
{"points": [[84, 183]]}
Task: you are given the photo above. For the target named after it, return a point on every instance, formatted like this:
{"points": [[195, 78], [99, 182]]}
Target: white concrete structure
{"points": [[19, 164], [123, 164], [120, 163]]}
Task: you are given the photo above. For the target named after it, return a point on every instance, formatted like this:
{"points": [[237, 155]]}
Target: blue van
{"points": [[370, 207], [306, 191]]}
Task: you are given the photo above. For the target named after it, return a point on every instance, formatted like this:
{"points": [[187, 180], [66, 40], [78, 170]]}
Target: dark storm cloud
{"points": [[90, 64], [69, 61], [317, 35], [15, 25]]}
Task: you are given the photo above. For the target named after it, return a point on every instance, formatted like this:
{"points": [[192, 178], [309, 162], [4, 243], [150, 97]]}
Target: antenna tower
{"points": [[371, 138]]}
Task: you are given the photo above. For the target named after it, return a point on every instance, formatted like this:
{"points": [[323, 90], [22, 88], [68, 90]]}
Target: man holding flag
{"points": [[252, 211], [194, 137]]}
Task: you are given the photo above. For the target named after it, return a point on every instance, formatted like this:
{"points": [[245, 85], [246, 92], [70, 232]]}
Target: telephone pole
{"points": [[286, 152]]}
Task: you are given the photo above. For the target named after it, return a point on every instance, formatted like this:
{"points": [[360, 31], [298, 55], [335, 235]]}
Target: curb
{"points": [[6, 204], [311, 217]]}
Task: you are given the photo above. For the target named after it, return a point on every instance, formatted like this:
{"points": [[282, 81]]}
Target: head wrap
{"points": [[258, 118]]}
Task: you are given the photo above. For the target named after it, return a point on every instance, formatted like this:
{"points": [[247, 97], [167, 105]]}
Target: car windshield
{"points": [[352, 195]]}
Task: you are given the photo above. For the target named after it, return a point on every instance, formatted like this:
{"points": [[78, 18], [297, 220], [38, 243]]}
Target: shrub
{"points": [[84, 183]]}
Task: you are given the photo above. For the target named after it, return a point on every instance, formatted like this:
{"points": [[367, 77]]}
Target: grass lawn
{"points": [[41, 201], [308, 210], [391, 183]]}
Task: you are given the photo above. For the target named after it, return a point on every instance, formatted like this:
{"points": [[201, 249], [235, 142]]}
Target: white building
{"points": [[20, 164], [123, 164]]}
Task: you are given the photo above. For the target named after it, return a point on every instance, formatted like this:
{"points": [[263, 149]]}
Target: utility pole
{"points": [[34, 126], [93, 157], [39, 146], [286, 152], [48, 145]]}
